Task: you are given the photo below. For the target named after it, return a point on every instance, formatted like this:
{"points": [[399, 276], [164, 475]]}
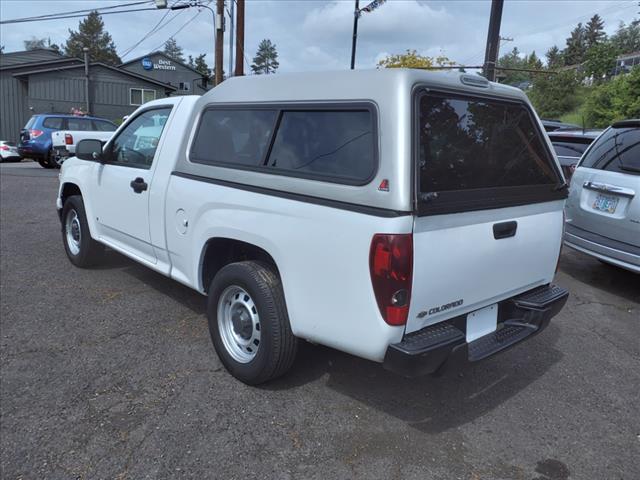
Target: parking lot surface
{"points": [[110, 373]]}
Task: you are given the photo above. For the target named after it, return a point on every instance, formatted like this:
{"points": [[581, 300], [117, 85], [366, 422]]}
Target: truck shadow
{"points": [[429, 404]]}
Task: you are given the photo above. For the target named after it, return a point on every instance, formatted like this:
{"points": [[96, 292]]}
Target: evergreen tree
{"points": [[554, 95], [600, 61], [34, 43], [190, 62], [576, 46], [173, 50], [266, 59], [554, 57], [91, 35], [627, 37], [594, 32], [201, 65]]}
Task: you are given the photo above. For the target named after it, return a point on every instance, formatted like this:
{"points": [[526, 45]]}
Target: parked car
{"points": [[570, 145], [9, 152], [552, 125], [603, 209], [64, 141], [35, 137], [407, 217]]}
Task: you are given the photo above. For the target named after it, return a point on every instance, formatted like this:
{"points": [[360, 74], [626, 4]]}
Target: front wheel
{"points": [[249, 324], [82, 250]]}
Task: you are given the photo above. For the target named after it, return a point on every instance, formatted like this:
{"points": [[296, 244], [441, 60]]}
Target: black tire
{"points": [[277, 346], [44, 163], [86, 252]]}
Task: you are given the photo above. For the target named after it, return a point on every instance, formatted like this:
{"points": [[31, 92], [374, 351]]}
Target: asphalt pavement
{"points": [[109, 373]]}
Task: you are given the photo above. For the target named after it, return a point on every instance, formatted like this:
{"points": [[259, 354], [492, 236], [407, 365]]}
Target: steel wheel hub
{"points": [[239, 324]]}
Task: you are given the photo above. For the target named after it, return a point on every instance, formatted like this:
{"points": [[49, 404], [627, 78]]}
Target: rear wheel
{"points": [[82, 250], [44, 163], [249, 324]]}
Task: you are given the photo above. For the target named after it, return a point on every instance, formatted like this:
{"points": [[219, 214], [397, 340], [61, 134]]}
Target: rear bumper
{"points": [[443, 345], [606, 249]]}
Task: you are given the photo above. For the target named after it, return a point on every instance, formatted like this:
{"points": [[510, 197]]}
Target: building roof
{"points": [[628, 55], [162, 54], [58, 61], [55, 68], [37, 54]]}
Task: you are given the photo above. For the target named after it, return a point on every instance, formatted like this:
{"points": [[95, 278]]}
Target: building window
{"points": [[184, 86], [138, 96]]}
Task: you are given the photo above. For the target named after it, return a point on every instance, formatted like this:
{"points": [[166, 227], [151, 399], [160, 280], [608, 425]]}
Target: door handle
{"points": [[139, 185], [504, 229]]}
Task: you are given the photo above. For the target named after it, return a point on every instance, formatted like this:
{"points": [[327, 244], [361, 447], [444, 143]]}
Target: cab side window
{"points": [[136, 145]]}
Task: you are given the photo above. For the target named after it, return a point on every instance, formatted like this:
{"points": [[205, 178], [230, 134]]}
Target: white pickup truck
{"points": [[63, 142], [407, 217]]}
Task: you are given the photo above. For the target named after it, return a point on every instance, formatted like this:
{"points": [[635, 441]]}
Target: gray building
{"points": [[161, 67], [43, 81]]}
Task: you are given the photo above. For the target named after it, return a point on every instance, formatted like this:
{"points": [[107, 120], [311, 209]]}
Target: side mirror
{"points": [[89, 150]]}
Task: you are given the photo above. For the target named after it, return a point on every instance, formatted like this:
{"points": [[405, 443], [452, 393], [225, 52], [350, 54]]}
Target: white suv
{"points": [[407, 217]]}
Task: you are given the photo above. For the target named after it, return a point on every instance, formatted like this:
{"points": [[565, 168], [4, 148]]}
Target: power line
{"points": [[5, 22], [154, 30], [178, 31], [55, 16]]}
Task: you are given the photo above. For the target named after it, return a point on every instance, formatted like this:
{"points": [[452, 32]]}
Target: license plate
{"points": [[482, 322], [605, 203]]}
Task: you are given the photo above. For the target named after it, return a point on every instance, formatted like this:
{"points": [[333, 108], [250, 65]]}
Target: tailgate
{"points": [[489, 196], [463, 262]]}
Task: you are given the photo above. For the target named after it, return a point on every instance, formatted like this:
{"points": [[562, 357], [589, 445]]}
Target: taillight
{"points": [[4, 147], [35, 133], [68, 139], [391, 266]]}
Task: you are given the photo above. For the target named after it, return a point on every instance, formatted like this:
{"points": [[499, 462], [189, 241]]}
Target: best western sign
{"points": [[161, 64]]}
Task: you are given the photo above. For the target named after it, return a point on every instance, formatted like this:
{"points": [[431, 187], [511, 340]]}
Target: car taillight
{"points": [[4, 147], [391, 268], [35, 133], [68, 139]]}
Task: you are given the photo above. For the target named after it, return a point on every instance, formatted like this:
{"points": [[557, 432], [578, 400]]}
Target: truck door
{"points": [[123, 184]]}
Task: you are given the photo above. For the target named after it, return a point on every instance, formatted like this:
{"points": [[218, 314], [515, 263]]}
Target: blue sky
{"points": [[316, 35]]}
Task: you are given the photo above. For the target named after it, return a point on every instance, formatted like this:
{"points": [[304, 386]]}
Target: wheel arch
{"points": [[220, 251], [68, 189]]}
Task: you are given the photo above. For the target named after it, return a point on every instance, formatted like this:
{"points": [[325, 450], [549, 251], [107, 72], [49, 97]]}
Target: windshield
{"points": [[616, 150]]}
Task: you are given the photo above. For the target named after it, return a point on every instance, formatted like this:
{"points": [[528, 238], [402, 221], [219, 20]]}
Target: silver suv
{"points": [[603, 209]]}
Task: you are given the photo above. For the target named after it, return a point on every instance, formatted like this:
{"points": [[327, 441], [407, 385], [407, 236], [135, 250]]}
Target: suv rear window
{"points": [[476, 153], [569, 149], [617, 150], [53, 122], [102, 126], [79, 124]]}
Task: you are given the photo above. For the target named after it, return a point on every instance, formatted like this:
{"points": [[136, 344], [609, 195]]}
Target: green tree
{"points": [[173, 50], [34, 43], [411, 59], [554, 57], [190, 62], [201, 66], [615, 100], [576, 46], [627, 37], [91, 34], [594, 32], [266, 59], [555, 94], [600, 60]]}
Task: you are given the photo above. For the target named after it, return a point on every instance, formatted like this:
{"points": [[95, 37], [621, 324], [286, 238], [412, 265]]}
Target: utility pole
{"points": [[493, 40], [231, 23], [85, 51], [219, 40], [356, 15], [240, 39]]}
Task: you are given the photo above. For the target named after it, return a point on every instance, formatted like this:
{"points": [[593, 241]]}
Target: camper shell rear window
{"points": [[476, 153]]}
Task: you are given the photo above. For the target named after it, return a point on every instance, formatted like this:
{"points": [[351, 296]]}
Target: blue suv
{"points": [[35, 137]]}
